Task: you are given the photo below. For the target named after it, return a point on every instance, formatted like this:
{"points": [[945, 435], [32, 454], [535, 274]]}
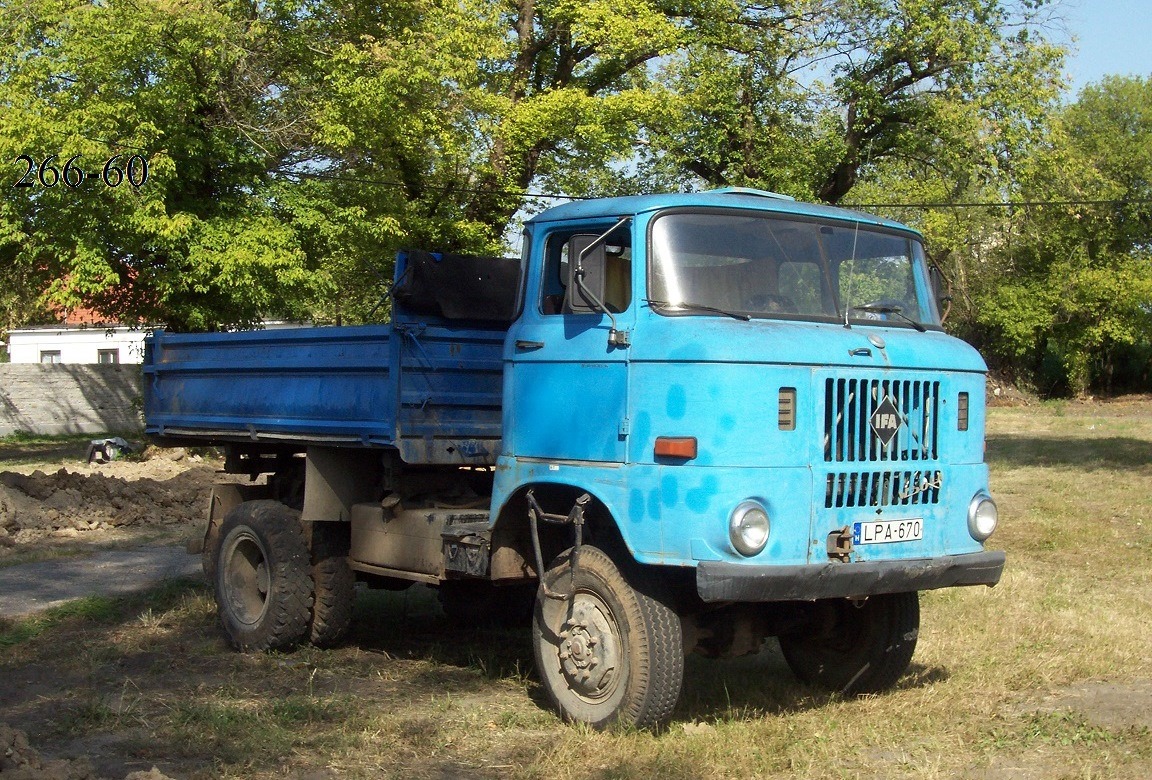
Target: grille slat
{"points": [[882, 488], [848, 408]]}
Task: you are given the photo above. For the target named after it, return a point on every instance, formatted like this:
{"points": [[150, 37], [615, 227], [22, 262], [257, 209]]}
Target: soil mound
{"points": [[19, 761], [165, 490]]}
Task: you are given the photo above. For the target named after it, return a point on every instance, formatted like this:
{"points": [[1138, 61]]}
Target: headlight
{"points": [[748, 528], [982, 516]]}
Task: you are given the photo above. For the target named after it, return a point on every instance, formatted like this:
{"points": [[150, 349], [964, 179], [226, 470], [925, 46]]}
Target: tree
{"points": [[185, 88], [293, 146], [1076, 287], [809, 97]]}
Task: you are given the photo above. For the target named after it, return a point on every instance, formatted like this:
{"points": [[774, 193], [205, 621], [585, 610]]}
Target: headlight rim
{"points": [[974, 529], [735, 524]]}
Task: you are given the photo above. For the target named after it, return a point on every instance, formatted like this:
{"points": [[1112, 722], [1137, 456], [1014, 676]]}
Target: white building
{"points": [[76, 344]]}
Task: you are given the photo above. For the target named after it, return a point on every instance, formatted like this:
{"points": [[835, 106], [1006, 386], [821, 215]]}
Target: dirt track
{"points": [[78, 516]]}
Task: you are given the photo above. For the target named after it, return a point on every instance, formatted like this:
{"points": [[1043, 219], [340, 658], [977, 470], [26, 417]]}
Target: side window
{"points": [[553, 284], [557, 266]]}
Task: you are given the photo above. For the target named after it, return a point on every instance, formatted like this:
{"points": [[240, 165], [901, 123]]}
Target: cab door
{"points": [[567, 386]]}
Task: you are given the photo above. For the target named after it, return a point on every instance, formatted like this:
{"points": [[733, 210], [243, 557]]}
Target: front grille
{"points": [[882, 488], [848, 408]]}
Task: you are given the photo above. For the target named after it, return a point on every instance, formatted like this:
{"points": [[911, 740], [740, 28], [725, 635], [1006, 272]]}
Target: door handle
{"points": [[522, 344]]}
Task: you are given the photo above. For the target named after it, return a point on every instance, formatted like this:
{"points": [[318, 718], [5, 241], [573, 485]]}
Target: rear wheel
{"points": [[262, 583], [607, 653], [333, 584], [855, 647]]}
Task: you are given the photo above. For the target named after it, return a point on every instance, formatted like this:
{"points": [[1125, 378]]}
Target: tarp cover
{"points": [[460, 287]]}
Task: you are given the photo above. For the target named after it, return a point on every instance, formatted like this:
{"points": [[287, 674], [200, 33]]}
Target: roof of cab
{"points": [[728, 197]]}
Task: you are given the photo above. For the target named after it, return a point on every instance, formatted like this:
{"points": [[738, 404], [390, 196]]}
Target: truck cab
{"points": [[746, 350]]}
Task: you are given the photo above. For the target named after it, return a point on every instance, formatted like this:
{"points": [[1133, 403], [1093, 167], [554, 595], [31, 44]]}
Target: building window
{"points": [[108, 356], [49, 356]]}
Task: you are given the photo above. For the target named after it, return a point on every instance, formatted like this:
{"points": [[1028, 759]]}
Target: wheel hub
{"points": [[589, 649], [247, 580]]}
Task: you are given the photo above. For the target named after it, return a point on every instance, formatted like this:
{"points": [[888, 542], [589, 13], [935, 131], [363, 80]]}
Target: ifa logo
{"points": [[886, 421]]}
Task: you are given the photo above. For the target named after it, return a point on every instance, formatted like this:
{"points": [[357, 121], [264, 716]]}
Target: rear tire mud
{"points": [[333, 584], [262, 584], [855, 648]]}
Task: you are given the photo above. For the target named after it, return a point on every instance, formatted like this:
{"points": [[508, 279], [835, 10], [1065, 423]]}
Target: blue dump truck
{"points": [[681, 422]]}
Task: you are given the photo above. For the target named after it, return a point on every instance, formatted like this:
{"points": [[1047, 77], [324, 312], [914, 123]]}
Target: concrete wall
{"points": [[62, 398]]}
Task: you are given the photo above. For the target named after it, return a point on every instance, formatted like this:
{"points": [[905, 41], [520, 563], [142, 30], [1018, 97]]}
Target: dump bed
{"points": [[430, 390], [428, 384]]}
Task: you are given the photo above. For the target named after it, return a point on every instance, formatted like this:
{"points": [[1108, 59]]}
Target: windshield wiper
{"points": [[699, 307], [887, 308]]}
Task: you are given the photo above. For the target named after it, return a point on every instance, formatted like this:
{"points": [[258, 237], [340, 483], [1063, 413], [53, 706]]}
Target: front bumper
{"points": [[718, 581]]}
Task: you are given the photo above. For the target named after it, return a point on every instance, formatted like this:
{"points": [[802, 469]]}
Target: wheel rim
{"points": [[247, 578], [589, 649]]}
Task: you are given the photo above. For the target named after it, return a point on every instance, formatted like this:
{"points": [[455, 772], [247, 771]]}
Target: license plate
{"points": [[888, 531]]}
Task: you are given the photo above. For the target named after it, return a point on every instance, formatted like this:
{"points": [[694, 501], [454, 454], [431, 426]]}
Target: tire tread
{"points": [[657, 666], [333, 585]]}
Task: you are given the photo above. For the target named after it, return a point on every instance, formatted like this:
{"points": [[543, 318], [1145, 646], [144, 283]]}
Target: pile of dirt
{"points": [[1000, 392], [19, 761], [168, 488]]}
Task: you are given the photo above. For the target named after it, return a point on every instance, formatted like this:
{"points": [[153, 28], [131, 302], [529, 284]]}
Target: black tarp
{"points": [[460, 287]]}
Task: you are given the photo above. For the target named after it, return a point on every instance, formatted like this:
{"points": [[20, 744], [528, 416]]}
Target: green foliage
{"points": [[809, 98], [184, 85], [293, 147], [1076, 285]]}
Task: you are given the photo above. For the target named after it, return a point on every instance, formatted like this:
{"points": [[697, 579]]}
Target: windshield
{"points": [[767, 265]]}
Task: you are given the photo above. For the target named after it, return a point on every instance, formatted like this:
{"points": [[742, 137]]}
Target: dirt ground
{"points": [[54, 503]]}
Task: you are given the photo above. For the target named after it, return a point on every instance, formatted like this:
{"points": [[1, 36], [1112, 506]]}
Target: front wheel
{"points": [[855, 647], [606, 652]]}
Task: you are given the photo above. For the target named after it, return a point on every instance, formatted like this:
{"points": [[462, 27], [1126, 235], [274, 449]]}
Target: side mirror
{"points": [[937, 282], [578, 300]]}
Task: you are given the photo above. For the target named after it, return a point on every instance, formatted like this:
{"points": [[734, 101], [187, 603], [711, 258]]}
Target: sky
{"points": [[1114, 37]]}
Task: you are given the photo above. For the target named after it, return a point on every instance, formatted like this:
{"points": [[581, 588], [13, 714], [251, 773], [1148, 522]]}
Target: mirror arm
{"points": [[616, 337]]}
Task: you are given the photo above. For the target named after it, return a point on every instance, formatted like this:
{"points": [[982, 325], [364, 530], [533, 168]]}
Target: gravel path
{"points": [[33, 587]]}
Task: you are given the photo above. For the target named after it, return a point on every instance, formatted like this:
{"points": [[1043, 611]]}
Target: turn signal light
{"points": [[676, 447]]}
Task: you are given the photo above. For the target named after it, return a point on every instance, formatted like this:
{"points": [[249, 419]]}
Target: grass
{"points": [[989, 695], [26, 449]]}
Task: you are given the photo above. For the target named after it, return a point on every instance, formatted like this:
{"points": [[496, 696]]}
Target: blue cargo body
{"points": [[430, 389]]}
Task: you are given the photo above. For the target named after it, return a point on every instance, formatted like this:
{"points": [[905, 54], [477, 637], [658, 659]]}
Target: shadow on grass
{"points": [[149, 679], [409, 624], [1103, 453], [44, 452]]}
